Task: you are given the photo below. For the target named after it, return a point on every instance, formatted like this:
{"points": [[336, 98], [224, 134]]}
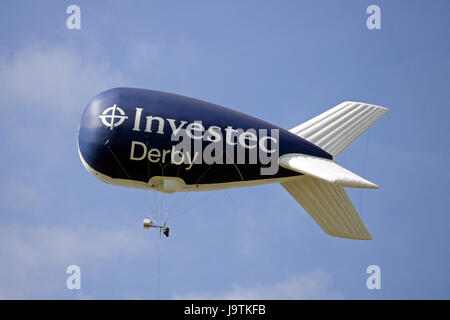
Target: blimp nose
{"points": [[91, 138], [98, 126]]}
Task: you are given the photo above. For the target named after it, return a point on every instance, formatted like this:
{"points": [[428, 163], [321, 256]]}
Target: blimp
{"points": [[149, 139]]}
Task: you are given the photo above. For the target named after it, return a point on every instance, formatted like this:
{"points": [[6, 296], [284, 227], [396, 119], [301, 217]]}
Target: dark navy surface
{"points": [[108, 151]]}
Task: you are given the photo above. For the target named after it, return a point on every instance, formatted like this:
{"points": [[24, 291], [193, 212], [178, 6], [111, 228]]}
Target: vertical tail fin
{"points": [[335, 129], [329, 205]]}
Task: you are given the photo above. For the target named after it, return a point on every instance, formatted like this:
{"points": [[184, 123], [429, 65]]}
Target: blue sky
{"points": [[284, 62]]}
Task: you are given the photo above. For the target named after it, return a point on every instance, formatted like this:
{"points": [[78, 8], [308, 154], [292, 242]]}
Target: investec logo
{"points": [[111, 119]]}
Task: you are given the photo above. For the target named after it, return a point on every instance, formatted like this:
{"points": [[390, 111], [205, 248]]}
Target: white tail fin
{"points": [[324, 169], [329, 205], [320, 191], [335, 129]]}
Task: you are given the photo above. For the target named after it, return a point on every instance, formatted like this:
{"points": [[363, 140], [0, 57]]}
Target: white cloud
{"points": [[247, 238], [143, 54], [44, 90], [54, 78], [313, 285], [19, 195], [34, 259]]}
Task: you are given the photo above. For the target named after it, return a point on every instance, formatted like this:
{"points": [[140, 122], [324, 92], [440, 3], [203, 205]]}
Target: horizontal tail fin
{"points": [[324, 169], [335, 129], [329, 205]]}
